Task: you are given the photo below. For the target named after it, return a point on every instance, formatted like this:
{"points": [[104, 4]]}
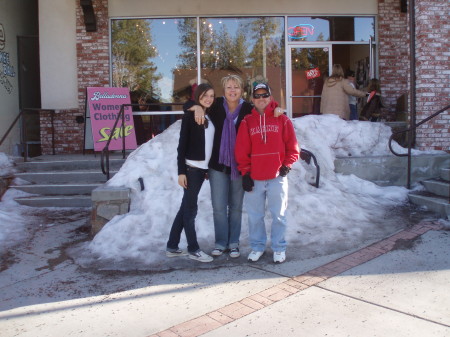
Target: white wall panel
{"points": [[238, 7], [58, 59]]}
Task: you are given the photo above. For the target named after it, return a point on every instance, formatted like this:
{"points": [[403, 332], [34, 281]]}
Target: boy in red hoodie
{"points": [[266, 148]]}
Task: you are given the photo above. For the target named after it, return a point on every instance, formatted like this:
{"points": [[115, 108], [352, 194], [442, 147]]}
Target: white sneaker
{"points": [[234, 253], [217, 252], [254, 256], [279, 257], [200, 256], [175, 253]]}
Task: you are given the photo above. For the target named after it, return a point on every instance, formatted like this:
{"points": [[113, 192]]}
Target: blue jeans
{"points": [[353, 112], [276, 192], [227, 197], [185, 218]]}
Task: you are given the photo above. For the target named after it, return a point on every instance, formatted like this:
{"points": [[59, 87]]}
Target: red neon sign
{"points": [[300, 31]]}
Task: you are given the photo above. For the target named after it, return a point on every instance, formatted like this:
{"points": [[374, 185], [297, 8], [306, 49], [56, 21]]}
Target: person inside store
{"points": [[266, 148], [194, 151], [350, 76], [137, 98], [335, 93], [372, 110], [227, 195]]}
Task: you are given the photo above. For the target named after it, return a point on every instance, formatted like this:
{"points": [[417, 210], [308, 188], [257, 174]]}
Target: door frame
{"points": [[289, 67]]}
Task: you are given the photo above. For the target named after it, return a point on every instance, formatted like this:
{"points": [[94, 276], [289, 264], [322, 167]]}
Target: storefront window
{"points": [[156, 60], [338, 28], [364, 28], [155, 57], [252, 48]]}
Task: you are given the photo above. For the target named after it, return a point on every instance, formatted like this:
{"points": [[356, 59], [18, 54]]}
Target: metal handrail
{"points": [[21, 113], [105, 152], [411, 130], [10, 128], [306, 156]]}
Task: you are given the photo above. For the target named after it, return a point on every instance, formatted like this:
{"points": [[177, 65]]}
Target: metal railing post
{"points": [[410, 132]]}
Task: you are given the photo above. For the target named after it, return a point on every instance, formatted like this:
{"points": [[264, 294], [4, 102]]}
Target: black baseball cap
{"points": [[264, 86]]}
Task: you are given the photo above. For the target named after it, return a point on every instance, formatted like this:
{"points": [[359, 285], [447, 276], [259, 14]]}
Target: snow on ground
{"points": [[12, 220], [6, 165], [341, 209]]}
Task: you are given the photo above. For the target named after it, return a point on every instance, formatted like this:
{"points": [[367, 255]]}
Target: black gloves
{"points": [[247, 183], [284, 170]]}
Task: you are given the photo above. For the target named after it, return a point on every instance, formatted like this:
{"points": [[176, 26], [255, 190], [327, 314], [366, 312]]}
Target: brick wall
{"points": [[92, 51], [68, 133], [433, 73], [432, 59], [393, 51]]}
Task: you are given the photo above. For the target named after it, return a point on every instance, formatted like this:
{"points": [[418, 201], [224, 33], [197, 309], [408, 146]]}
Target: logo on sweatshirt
{"points": [[266, 129]]}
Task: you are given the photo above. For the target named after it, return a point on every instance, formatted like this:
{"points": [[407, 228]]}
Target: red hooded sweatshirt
{"points": [[264, 143]]}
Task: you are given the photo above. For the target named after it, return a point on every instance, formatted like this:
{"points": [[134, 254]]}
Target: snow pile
{"points": [[341, 208], [6, 165]]}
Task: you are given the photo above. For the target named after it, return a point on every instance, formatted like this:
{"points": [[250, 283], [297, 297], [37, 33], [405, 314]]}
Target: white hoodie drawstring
{"points": [[263, 130]]}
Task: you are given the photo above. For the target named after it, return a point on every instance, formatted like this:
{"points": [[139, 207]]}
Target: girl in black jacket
{"points": [[372, 110], [194, 151]]}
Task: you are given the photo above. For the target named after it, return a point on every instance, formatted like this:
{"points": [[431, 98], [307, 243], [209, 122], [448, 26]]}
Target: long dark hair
{"points": [[374, 85], [201, 89]]}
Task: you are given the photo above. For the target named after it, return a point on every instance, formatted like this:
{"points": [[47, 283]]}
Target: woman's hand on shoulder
{"points": [[199, 114], [182, 180], [278, 111]]}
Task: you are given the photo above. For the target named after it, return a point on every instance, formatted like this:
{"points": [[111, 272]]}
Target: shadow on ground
{"points": [[45, 267]]}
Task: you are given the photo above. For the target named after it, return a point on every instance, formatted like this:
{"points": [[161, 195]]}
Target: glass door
{"points": [[308, 65]]}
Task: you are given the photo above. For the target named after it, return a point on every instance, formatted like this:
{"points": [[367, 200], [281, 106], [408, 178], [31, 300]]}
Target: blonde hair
{"points": [[234, 78], [337, 72]]}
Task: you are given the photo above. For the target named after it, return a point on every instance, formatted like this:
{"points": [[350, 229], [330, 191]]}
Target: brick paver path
{"points": [[232, 312]]}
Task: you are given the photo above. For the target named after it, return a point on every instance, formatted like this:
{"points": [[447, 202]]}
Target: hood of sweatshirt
{"points": [[269, 112], [332, 81]]}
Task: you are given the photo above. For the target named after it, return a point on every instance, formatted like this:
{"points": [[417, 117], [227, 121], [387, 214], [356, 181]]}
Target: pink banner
{"points": [[104, 104]]}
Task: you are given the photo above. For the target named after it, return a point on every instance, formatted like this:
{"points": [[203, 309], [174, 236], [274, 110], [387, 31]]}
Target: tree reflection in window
{"points": [[132, 51], [252, 47], [159, 56]]}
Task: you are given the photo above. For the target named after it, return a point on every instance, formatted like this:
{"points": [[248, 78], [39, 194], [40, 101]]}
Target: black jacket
{"points": [[373, 109], [191, 144], [217, 114]]}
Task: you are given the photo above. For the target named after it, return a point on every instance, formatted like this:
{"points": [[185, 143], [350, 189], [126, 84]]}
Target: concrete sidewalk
{"points": [[398, 286]]}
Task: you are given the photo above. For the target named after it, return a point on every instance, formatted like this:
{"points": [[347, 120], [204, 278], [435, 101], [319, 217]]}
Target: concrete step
{"points": [[392, 170], [58, 177], [445, 174], [438, 187], [56, 201], [67, 165], [63, 180], [434, 203], [57, 189]]}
